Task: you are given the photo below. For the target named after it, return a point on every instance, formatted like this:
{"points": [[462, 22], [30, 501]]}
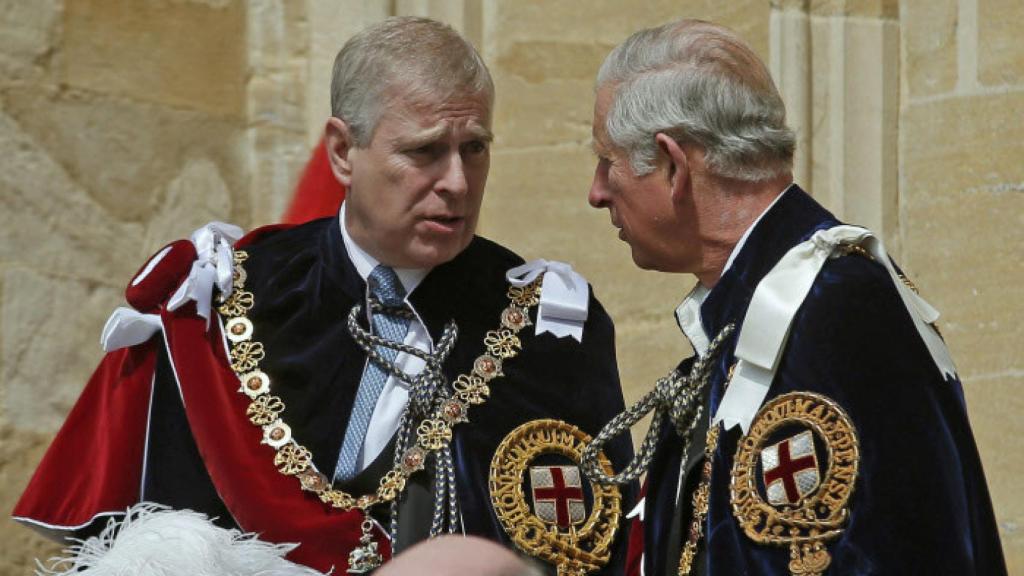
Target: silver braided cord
{"points": [[401, 444], [675, 397], [428, 391]]}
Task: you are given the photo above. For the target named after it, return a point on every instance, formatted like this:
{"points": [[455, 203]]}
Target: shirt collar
{"points": [[688, 319], [364, 263]]}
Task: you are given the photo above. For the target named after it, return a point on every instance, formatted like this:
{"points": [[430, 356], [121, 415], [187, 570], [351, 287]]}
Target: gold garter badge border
{"points": [[777, 495], [577, 546]]}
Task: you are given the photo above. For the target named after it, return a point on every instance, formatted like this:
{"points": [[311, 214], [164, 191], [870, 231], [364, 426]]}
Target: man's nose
{"points": [[598, 195], [453, 180]]}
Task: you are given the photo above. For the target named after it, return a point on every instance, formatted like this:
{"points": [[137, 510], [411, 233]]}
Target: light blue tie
{"points": [[386, 287]]}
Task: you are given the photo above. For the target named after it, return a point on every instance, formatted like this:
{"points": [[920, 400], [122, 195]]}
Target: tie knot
{"points": [[385, 285]]}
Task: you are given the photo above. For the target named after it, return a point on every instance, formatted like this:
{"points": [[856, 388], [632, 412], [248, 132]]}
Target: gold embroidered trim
{"points": [[701, 500], [293, 459], [575, 551], [819, 516]]}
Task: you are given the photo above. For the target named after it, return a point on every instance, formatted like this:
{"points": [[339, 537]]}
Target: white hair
{"points": [[698, 83], [421, 57]]}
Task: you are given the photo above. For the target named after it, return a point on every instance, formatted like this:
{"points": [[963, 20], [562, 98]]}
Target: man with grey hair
{"points": [[371, 379], [821, 426]]}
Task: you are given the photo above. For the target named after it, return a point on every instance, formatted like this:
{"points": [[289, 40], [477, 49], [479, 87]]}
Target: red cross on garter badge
{"points": [[558, 495], [790, 469], [793, 477]]}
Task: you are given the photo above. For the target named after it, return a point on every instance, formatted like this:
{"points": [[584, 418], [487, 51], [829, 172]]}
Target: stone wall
{"points": [[126, 124], [962, 215], [122, 125]]}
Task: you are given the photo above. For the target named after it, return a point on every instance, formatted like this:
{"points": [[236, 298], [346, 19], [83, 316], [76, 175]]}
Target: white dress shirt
{"points": [[395, 395]]}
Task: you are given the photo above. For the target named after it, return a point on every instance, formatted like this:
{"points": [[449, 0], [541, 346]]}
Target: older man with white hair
{"points": [[820, 427], [362, 382]]}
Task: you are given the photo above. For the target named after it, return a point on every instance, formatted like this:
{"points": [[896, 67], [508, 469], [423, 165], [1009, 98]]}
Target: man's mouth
{"points": [[444, 223]]}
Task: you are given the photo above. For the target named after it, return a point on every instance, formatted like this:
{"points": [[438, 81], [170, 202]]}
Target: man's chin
{"points": [[645, 261], [432, 254], [641, 260]]}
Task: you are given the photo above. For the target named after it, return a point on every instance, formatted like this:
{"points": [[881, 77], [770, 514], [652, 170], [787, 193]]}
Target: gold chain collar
{"points": [[293, 459]]}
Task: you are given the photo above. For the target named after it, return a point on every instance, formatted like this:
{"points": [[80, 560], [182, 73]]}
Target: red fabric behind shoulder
{"points": [[318, 194], [94, 465]]}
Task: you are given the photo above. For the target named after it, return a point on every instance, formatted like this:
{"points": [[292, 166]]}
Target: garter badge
{"points": [[546, 505], [793, 476]]}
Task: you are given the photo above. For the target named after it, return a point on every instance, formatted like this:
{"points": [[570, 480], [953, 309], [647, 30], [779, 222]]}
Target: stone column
{"points": [[836, 63]]}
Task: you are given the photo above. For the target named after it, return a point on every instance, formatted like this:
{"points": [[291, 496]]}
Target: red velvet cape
{"points": [[102, 443]]}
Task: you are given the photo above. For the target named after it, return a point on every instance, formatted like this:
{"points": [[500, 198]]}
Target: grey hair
{"points": [[425, 57], [698, 83]]}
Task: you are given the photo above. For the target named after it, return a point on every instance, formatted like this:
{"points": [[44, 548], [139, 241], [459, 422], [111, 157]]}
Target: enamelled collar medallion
{"points": [[292, 459], [793, 477]]}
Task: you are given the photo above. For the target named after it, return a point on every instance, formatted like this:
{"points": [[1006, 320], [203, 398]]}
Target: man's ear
{"points": [[339, 142], [679, 173]]}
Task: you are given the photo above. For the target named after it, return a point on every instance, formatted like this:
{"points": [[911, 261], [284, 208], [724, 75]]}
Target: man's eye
{"points": [[475, 147], [427, 150]]}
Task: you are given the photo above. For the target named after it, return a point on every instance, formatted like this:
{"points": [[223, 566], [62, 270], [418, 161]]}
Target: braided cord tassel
{"points": [[437, 520], [401, 444], [453, 495]]}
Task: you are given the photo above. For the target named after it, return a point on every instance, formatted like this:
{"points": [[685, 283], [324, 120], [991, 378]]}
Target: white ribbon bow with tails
{"points": [[564, 298]]}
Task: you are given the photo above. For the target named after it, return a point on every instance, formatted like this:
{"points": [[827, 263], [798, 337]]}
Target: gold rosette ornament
{"points": [[557, 528], [785, 493]]}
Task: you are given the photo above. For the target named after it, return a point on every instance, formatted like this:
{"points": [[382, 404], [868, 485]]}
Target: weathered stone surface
{"points": [[855, 118], [611, 22], [20, 452], [548, 113], [929, 46], [49, 343], [28, 34], [539, 61], [963, 206], [183, 54], [277, 157], [196, 196], [277, 52], [995, 406], [544, 69], [48, 221], [1000, 50], [120, 151], [888, 9]]}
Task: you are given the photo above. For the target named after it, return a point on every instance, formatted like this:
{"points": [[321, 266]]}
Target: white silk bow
{"points": [[213, 266], [564, 297], [774, 304]]}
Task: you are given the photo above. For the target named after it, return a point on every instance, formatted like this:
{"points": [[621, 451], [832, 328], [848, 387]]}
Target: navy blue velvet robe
{"points": [[920, 503], [304, 286]]}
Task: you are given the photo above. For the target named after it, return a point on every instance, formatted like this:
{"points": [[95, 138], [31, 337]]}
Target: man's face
{"points": [[640, 207], [414, 192]]}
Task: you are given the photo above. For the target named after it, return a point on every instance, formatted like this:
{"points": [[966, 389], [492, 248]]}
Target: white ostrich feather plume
{"points": [[153, 540]]}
